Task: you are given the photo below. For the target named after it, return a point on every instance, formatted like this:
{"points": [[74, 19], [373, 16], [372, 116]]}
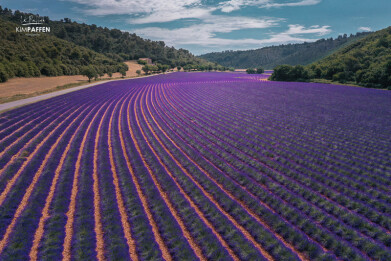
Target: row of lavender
{"points": [[199, 166], [379, 230]]}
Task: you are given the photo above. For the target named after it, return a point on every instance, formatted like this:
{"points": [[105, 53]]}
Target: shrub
{"points": [[3, 74], [90, 72], [122, 71], [142, 62], [290, 73], [250, 71], [146, 69], [281, 73], [339, 77], [48, 70]]}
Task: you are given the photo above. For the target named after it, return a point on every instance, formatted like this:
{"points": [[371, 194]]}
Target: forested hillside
{"points": [[32, 56], [292, 54], [70, 46], [113, 42], [366, 62], [121, 45]]}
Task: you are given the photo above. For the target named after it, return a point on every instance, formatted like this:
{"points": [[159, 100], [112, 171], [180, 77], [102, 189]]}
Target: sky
{"points": [[203, 26]]}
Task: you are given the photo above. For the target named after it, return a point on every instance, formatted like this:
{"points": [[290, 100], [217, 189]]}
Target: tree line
{"points": [[292, 54], [157, 68], [25, 56], [258, 70], [366, 63]]}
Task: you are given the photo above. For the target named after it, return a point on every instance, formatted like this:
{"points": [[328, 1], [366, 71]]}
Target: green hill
{"points": [[112, 42], [121, 45], [70, 47], [32, 56], [366, 62], [292, 54]]}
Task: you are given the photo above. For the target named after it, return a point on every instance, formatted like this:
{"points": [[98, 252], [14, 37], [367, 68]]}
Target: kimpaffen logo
{"points": [[31, 25]]}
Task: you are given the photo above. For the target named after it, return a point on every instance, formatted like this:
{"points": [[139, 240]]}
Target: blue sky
{"points": [[203, 26]]}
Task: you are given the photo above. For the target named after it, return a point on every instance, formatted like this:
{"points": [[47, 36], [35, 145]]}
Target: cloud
{"points": [[207, 24], [169, 15], [155, 11], [135, 7], [295, 29], [205, 34], [300, 3], [365, 29], [233, 5]]}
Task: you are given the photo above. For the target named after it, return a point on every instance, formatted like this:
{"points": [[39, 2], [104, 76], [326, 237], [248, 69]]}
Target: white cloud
{"points": [[233, 5], [168, 15], [205, 34], [135, 7], [299, 3], [155, 11], [365, 29], [208, 25], [295, 29]]}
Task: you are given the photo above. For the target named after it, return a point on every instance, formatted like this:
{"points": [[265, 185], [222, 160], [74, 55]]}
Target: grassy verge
{"points": [[346, 84], [353, 84], [335, 83]]}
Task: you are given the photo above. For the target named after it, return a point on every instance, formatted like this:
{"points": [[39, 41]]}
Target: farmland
{"points": [[198, 166]]}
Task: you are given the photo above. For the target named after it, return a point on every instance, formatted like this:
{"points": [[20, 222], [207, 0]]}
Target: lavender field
{"points": [[198, 166]]}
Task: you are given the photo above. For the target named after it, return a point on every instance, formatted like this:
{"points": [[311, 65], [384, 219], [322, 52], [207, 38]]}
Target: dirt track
{"points": [[21, 102], [14, 104], [28, 86]]}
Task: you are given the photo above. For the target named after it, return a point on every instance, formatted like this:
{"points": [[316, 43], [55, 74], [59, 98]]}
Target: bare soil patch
{"points": [[20, 88]]}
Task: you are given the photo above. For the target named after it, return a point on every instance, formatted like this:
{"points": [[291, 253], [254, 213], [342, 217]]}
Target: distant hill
{"points": [[70, 46], [366, 62], [292, 54]]}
